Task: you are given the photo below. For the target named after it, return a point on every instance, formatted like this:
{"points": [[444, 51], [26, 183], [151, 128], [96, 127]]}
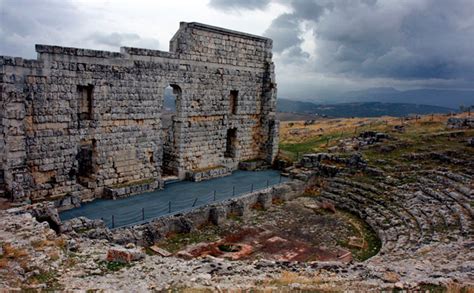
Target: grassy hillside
{"points": [[297, 138]]}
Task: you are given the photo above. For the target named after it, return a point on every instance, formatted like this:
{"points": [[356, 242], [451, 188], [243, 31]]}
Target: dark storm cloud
{"points": [[26, 22], [237, 5], [285, 32], [428, 39], [307, 9]]}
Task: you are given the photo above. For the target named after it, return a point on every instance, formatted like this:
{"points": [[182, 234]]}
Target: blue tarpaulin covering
{"points": [[175, 197]]}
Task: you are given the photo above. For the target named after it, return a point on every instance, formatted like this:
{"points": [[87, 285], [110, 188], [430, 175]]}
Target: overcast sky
{"points": [[322, 47]]}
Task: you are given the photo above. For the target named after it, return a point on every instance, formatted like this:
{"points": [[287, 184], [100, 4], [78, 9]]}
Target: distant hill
{"points": [[362, 109], [443, 98]]}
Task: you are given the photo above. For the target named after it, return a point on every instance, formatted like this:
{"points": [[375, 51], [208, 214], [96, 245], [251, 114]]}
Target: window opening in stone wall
{"points": [[233, 98], [171, 108], [231, 143], [85, 96]]}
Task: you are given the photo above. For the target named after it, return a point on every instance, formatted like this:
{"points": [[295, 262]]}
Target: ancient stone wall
{"points": [[77, 121]]}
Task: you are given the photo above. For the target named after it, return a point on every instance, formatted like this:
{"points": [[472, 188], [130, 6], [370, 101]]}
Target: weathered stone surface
{"points": [[78, 123], [218, 215], [160, 251], [124, 255], [204, 174], [459, 123], [119, 192], [470, 142], [252, 165]]}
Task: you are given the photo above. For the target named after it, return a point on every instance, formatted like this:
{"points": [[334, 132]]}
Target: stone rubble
{"points": [[460, 123]]}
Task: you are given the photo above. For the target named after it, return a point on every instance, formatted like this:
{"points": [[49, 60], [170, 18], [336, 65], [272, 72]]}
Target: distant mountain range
{"points": [[358, 109], [370, 103], [443, 98]]}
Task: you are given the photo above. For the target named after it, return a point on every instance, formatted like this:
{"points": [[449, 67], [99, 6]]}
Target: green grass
{"points": [[374, 244], [176, 242], [322, 142], [432, 288], [49, 278], [45, 277], [133, 183], [310, 145], [113, 266]]}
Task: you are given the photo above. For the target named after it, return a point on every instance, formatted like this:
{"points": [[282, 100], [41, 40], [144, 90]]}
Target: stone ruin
{"points": [[460, 123], [77, 124]]}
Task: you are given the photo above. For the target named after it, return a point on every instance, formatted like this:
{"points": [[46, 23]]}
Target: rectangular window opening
{"points": [[85, 96], [233, 97]]}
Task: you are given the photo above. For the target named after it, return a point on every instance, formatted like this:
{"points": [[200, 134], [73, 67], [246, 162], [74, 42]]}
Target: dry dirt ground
{"points": [[300, 230], [406, 219]]}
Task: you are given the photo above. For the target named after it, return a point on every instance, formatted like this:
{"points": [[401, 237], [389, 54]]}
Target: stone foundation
{"points": [[206, 174], [133, 189], [252, 165]]}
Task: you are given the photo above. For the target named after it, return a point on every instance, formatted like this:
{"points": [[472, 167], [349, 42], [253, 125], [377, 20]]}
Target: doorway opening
{"points": [[171, 109], [85, 161], [170, 98], [231, 143], [233, 101]]}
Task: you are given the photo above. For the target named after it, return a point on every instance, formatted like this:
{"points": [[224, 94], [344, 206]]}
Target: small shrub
{"points": [[257, 206], [12, 252]]}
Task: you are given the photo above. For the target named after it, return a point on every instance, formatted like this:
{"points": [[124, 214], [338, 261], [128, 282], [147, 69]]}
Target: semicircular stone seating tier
{"points": [[436, 208]]}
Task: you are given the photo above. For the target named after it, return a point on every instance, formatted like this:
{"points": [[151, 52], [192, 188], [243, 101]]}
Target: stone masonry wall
{"points": [[76, 121]]}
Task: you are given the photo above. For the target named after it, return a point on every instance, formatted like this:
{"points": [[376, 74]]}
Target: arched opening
{"points": [[170, 97], [171, 108]]}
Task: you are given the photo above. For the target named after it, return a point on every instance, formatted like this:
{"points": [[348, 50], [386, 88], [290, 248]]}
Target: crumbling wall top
{"points": [[20, 62], [47, 49], [146, 52]]}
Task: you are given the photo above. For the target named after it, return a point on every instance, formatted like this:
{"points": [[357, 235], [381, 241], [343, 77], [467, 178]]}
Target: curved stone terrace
{"points": [[176, 197]]}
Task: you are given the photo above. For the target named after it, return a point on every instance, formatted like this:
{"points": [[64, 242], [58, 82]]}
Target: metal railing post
{"points": [[214, 195], [143, 214], [268, 183], [169, 206], [251, 188], [113, 221]]}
